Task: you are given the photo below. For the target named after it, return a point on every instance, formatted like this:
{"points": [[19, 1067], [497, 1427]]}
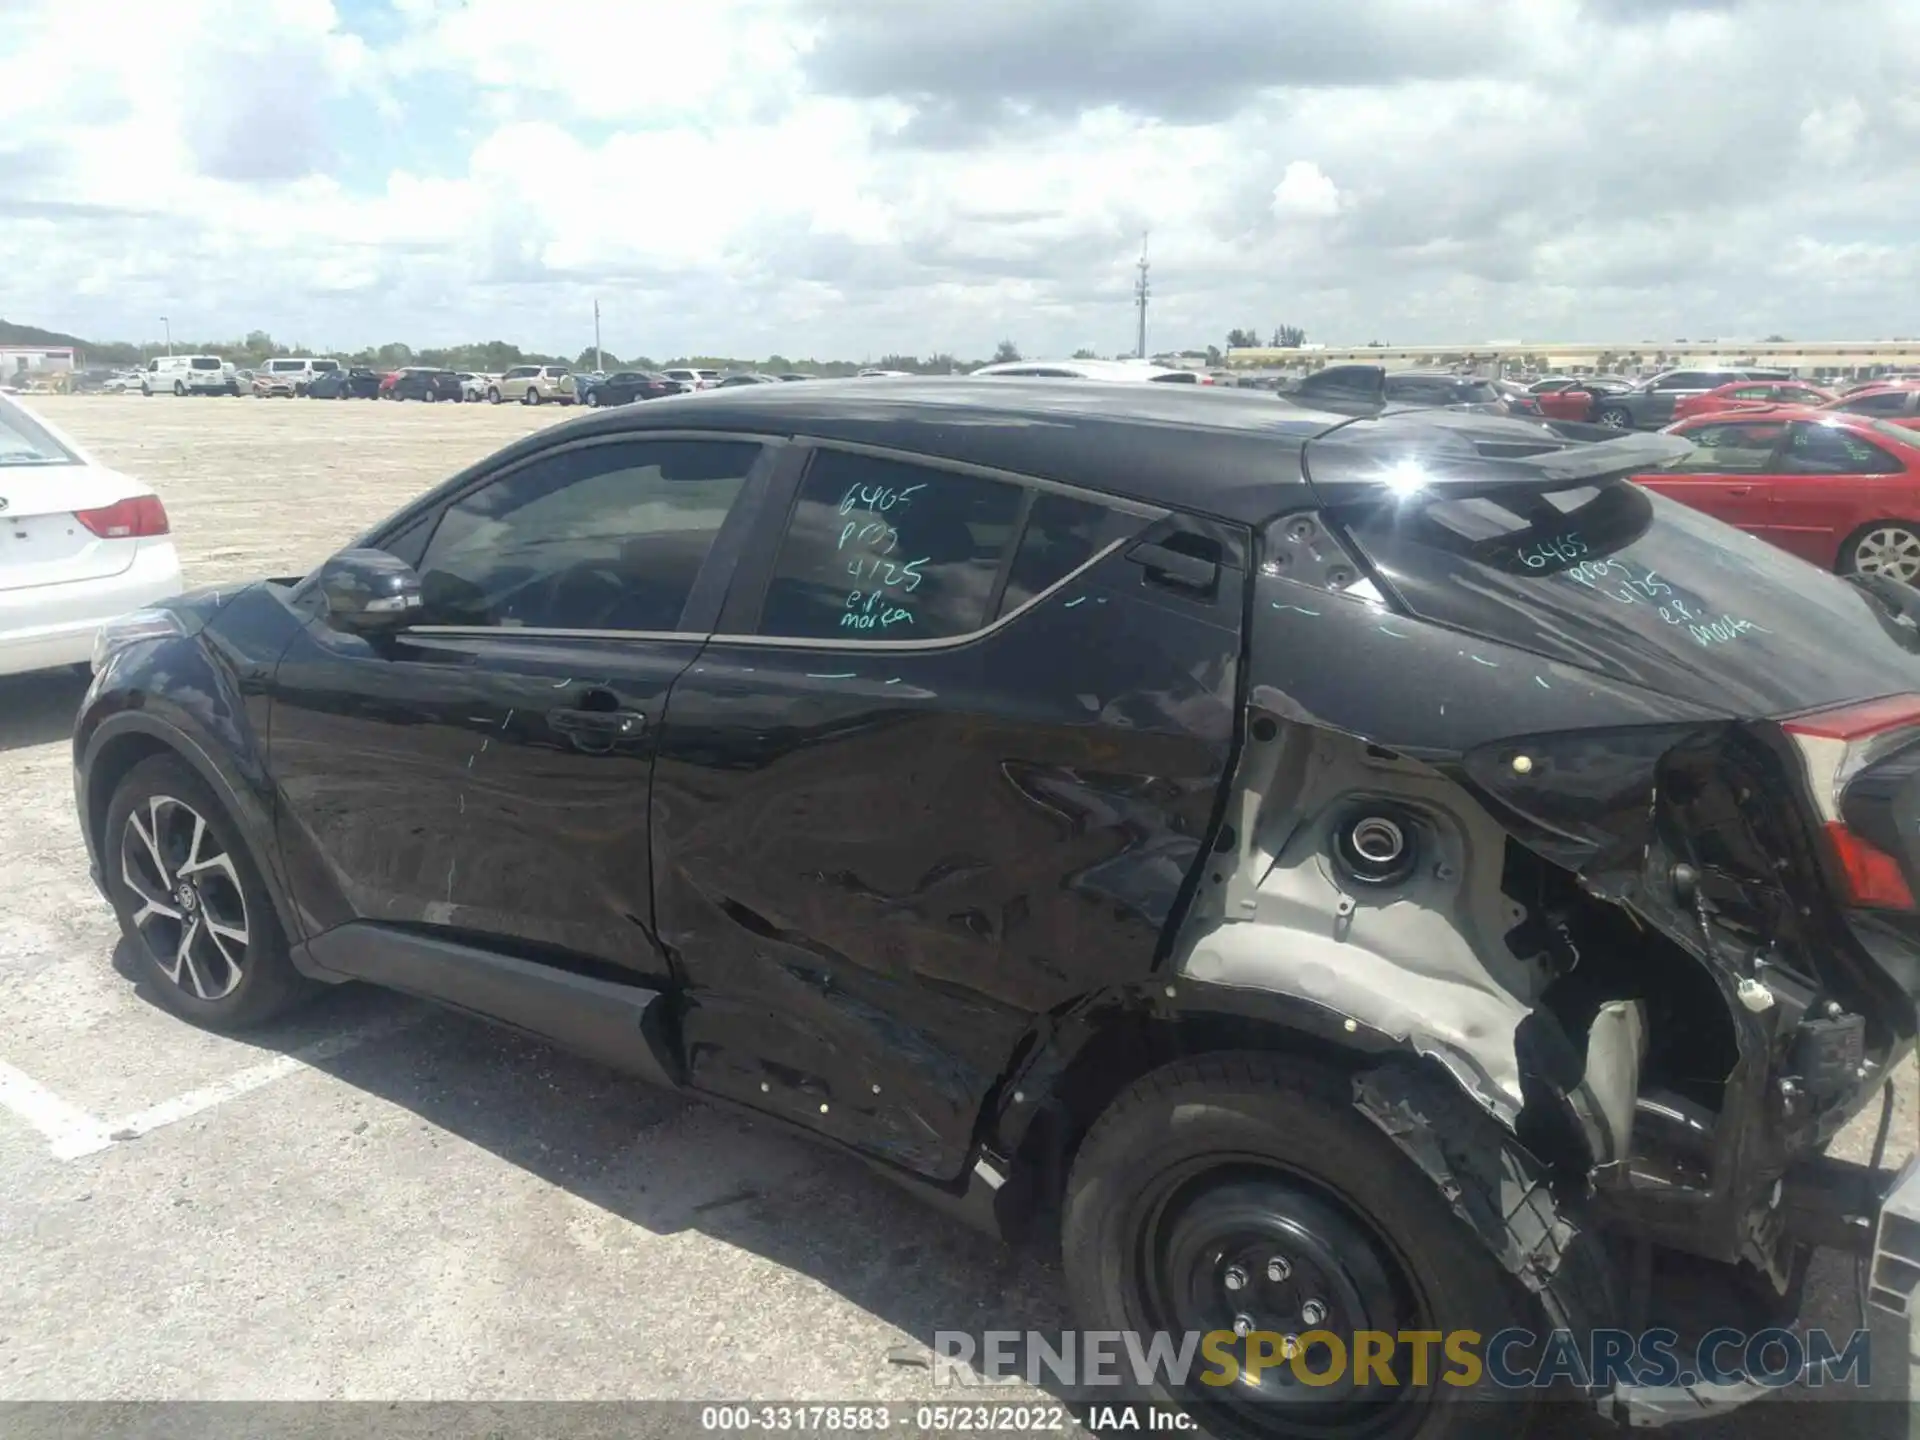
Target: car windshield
{"points": [[23, 441], [1612, 577]]}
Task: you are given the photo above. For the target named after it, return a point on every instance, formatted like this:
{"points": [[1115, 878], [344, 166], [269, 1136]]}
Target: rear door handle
{"points": [[1170, 566], [1740, 490]]}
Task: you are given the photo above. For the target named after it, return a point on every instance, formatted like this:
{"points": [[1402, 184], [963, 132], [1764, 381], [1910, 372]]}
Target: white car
{"points": [[79, 545], [694, 379], [1094, 370], [473, 386], [189, 375]]}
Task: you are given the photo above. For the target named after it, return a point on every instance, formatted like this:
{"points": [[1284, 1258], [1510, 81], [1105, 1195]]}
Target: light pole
{"points": [[598, 367], [168, 326]]}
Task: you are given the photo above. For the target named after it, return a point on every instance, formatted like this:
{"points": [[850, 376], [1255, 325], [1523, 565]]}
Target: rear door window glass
{"points": [[881, 549], [1063, 532], [1819, 449], [1889, 402]]}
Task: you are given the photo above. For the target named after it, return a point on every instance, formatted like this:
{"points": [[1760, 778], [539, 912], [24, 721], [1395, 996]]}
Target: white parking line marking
{"points": [[67, 1127], [74, 1141]]}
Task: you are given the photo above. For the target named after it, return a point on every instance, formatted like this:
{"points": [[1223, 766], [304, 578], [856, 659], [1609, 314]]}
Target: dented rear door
{"points": [[947, 767]]}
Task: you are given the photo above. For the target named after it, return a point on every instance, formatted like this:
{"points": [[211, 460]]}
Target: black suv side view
{"points": [[1346, 875]]}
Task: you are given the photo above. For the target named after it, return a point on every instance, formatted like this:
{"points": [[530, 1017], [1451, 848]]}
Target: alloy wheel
{"points": [[1614, 419], [193, 913], [1890, 550]]}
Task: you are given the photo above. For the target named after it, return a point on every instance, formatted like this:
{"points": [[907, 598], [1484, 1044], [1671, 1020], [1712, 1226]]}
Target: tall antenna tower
{"points": [[1140, 292]]}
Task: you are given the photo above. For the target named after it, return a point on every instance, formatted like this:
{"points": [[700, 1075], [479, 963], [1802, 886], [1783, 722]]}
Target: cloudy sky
{"points": [[852, 177]]}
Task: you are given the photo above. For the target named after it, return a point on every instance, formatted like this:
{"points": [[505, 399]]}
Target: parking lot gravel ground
{"points": [[376, 1200]]}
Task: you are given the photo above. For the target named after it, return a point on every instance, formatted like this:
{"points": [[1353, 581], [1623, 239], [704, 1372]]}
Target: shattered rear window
{"points": [[1609, 576]]}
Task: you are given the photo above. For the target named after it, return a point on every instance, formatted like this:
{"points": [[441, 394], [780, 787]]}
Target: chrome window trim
{"points": [[948, 642], [542, 632], [1138, 508]]}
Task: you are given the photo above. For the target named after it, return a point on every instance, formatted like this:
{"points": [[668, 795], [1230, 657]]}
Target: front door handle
{"points": [[1740, 490], [596, 731]]}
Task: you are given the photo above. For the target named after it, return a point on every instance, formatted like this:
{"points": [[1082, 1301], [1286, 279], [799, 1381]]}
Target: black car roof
{"points": [[1217, 451], [1233, 454]]}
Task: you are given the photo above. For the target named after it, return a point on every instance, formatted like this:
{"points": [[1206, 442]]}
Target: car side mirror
{"points": [[369, 592]]}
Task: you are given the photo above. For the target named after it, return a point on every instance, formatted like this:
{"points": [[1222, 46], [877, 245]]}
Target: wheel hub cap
{"points": [[189, 909], [1892, 551]]}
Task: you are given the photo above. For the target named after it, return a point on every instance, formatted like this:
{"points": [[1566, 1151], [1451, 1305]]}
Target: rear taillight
{"points": [[1835, 746], [137, 517]]}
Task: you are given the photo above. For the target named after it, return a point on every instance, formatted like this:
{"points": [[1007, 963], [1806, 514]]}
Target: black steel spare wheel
{"points": [[1245, 1194], [189, 897]]}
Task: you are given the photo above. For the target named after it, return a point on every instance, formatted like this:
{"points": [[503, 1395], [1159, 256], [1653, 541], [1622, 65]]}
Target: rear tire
{"points": [[1886, 547], [530, 396], [180, 388], [493, 394], [1237, 1189], [190, 899]]}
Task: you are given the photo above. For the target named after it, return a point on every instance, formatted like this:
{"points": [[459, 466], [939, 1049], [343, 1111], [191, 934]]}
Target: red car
{"points": [[1838, 489], [1897, 402], [1573, 398], [1744, 393]]}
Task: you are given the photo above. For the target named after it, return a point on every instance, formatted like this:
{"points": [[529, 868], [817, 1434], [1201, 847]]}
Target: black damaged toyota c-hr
{"points": [[1383, 874]]}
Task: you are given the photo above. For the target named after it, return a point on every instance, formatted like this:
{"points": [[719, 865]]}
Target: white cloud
{"points": [[817, 176], [1305, 192]]}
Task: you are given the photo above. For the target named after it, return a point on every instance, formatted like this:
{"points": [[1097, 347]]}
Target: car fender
{"points": [[209, 713]]}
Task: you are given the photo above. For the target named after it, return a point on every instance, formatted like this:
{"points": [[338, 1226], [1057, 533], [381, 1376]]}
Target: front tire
{"points": [[1886, 547], [1244, 1193], [190, 898], [1614, 418]]}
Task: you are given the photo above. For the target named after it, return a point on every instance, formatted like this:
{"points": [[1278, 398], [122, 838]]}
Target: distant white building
{"points": [[21, 359]]}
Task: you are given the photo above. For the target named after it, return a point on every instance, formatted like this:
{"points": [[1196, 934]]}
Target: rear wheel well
{"points": [[1122, 1051]]}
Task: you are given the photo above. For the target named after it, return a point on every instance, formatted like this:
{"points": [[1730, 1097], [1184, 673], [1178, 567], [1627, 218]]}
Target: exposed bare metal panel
{"points": [[1423, 958]]}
